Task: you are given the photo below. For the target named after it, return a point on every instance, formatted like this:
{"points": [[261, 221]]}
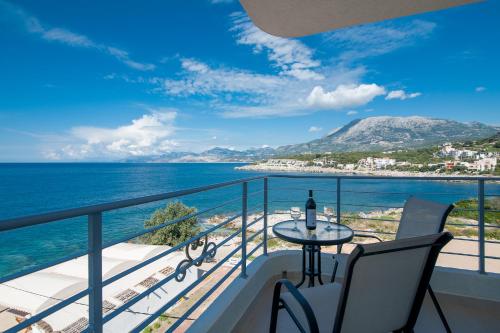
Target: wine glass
{"points": [[329, 213], [295, 214]]}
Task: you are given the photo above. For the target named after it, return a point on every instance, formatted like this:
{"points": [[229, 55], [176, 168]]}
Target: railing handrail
{"points": [[30, 220]]}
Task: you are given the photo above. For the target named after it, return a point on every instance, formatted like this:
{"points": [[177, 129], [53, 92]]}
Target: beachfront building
{"points": [[349, 166], [285, 163], [375, 163], [485, 164], [324, 162], [31, 294]]}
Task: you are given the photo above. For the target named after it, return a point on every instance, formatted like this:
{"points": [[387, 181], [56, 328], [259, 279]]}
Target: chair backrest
{"points": [[385, 284], [422, 217]]}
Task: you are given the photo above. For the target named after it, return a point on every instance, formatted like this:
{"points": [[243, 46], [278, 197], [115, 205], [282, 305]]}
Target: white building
{"points": [[323, 162], [448, 151], [376, 163], [349, 166], [486, 164], [285, 162], [33, 293]]}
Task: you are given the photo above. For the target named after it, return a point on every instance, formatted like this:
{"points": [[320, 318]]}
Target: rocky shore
{"points": [[329, 170]]}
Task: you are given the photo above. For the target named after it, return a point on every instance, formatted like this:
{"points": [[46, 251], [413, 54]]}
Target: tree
{"points": [[175, 233]]}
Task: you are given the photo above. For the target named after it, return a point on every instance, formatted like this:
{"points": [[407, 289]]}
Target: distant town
{"points": [[472, 157]]}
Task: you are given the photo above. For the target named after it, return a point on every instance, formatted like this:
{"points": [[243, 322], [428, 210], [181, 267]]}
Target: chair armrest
{"points": [[279, 303], [368, 236]]}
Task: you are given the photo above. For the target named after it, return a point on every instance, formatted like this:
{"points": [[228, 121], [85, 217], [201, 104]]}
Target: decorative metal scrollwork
{"points": [[208, 250]]}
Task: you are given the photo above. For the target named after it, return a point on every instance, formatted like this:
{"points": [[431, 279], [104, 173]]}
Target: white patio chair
{"points": [[383, 291], [420, 217]]}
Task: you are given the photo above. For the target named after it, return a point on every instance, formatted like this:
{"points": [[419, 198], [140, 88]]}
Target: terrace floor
{"points": [[464, 314]]}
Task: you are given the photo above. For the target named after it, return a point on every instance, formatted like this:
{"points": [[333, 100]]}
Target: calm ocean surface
{"points": [[27, 189]]}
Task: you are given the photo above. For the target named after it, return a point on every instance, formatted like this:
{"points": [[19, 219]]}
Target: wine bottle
{"points": [[310, 212]]}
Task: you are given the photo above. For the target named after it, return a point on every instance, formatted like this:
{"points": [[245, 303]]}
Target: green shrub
{"points": [[175, 233], [471, 205]]}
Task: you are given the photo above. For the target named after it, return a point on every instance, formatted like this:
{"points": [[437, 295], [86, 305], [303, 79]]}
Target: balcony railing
{"points": [[255, 191]]}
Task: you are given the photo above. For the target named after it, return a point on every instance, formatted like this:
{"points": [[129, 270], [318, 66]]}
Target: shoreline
{"points": [[316, 169]]}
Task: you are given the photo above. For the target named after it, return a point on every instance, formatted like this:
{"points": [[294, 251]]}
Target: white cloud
{"points": [[378, 38], [344, 96], [123, 56], [193, 65], [151, 134], [292, 57], [60, 35], [480, 89], [70, 38], [262, 111], [401, 94], [314, 129], [352, 112], [199, 78], [290, 97]]}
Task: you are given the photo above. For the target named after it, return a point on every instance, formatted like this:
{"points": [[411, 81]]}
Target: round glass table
{"points": [[311, 241]]}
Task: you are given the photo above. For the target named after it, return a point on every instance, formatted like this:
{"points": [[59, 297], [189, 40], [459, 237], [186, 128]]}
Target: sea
{"points": [[36, 188]]}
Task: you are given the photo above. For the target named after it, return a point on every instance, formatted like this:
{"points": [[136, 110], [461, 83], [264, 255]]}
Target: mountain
{"points": [[389, 133], [213, 155], [368, 134]]}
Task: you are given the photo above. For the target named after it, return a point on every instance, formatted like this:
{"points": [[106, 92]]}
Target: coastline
{"points": [[317, 169]]}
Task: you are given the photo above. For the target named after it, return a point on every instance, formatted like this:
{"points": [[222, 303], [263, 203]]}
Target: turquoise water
{"points": [[27, 189]]}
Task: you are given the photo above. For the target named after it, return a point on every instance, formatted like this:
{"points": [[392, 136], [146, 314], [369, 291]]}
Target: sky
{"points": [[107, 80]]}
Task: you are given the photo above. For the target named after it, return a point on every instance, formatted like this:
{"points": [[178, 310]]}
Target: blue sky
{"points": [[89, 80]]}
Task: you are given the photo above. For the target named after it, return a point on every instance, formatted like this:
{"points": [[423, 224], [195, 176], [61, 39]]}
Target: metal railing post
{"points": [[338, 199], [95, 272], [265, 214], [244, 212], [480, 208]]}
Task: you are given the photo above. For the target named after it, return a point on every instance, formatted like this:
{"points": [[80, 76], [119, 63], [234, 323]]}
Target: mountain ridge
{"points": [[366, 134]]}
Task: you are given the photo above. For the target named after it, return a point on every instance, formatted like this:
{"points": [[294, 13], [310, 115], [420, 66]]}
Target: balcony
{"points": [[221, 279]]}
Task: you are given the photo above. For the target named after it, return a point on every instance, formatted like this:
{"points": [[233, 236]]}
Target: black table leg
{"points": [[311, 266], [311, 271], [319, 265]]}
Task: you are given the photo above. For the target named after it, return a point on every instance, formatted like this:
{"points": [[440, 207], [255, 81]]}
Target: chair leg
{"points": [[439, 310], [335, 265], [275, 308]]}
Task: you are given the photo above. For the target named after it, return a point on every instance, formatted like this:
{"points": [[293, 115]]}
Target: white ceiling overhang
{"points": [[295, 18]]}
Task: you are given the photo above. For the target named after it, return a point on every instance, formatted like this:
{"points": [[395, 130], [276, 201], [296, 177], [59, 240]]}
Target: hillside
{"points": [[389, 133]]}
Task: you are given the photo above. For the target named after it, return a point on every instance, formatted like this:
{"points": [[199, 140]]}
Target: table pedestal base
{"points": [[313, 268]]}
